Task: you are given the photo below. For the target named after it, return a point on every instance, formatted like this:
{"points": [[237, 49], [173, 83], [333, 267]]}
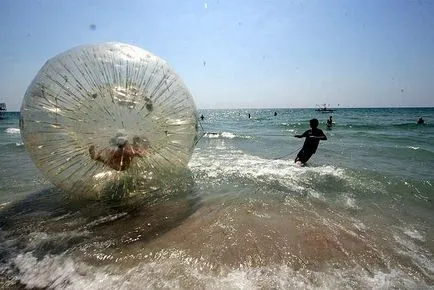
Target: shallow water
{"points": [[359, 215]]}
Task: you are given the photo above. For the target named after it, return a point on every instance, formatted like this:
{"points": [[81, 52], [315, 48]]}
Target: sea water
{"points": [[359, 215]]}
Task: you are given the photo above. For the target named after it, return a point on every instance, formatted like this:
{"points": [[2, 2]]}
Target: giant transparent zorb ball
{"points": [[108, 119]]}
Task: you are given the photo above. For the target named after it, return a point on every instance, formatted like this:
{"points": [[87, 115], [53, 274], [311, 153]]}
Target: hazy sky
{"points": [[241, 54]]}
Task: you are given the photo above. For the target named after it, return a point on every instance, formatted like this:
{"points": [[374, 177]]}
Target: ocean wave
{"points": [[413, 147], [12, 131], [296, 125], [368, 126], [417, 150], [315, 181], [349, 201], [400, 126], [12, 146], [413, 233], [412, 125], [226, 135], [410, 248], [175, 269]]}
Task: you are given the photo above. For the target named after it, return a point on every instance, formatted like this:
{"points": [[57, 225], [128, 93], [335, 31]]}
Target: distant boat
{"points": [[324, 109], [2, 110]]}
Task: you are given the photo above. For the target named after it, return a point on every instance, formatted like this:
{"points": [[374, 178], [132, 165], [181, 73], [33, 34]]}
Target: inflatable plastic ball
{"points": [[108, 119]]}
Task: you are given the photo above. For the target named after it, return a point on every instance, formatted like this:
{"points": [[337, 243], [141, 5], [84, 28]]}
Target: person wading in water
{"points": [[313, 136]]}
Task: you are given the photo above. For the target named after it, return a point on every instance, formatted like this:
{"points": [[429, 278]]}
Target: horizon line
{"points": [[332, 108], [302, 108]]}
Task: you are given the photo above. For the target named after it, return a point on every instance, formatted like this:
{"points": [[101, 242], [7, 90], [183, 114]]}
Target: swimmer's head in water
{"points": [[121, 141], [313, 123]]}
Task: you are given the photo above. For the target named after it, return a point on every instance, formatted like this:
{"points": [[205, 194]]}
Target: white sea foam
{"points": [[237, 163], [212, 135], [414, 147], [60, 272], [12, 131], [419, 255], [413, 233], [359, 226], [261, 215], [174, 269], [36, 239], [349, 201], [226, 135]]}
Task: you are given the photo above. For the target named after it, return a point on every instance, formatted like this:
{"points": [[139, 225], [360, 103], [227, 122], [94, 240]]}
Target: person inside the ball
{"points": [[120, 157]]}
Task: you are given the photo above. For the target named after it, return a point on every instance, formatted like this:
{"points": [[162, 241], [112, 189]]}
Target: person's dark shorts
{"points": [[304, 155]]}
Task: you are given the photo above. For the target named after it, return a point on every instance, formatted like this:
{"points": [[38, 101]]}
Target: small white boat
{"points": [[324, 109]]}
